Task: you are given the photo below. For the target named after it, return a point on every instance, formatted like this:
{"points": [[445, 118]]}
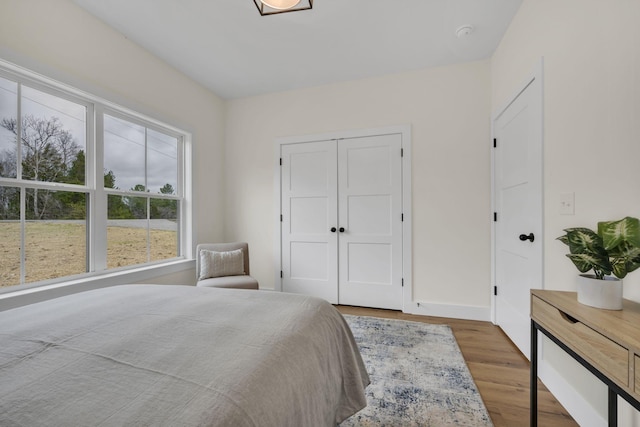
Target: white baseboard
{"points": [[581, 411], [467, 312]]}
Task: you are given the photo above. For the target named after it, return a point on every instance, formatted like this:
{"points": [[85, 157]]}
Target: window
{"points": [[141, 180], [85, 186]]}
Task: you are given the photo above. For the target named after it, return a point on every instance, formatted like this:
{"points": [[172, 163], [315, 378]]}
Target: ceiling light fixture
{"points": [[273, 7]]}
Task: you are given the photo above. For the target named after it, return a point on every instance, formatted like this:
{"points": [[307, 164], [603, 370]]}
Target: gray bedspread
{"points": [[158, 355]]}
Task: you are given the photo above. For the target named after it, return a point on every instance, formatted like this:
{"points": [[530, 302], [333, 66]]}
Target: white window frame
{"points": [[97, 194]]}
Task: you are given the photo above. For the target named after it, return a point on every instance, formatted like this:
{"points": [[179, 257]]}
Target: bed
{"points": [[160, 355]]}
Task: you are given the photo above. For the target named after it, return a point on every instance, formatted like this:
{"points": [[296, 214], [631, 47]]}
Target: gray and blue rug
{"points": [[418, 376]]}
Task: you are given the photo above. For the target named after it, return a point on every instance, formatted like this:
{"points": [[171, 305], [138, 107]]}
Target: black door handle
{"points": [[524, 237], [342, 229], [333, 229]]}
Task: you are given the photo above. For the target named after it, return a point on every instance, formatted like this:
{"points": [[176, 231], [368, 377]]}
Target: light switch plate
{"points": [[567, 204]]}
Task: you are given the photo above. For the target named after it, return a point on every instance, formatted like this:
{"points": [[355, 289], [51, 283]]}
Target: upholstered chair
{"points": [[224, 265]]}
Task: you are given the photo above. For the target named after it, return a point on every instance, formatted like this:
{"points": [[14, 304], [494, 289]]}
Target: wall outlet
{"points": [[567, 204]]}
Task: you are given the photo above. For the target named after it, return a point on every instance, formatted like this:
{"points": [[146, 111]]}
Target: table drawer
{"points": [[605, 355], [636, 388]]}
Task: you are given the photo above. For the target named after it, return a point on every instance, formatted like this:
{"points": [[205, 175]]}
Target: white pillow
{"points": [[218, 264]]}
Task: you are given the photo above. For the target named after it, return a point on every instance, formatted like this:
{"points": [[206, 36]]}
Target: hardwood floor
{"points": [[500, 371]]}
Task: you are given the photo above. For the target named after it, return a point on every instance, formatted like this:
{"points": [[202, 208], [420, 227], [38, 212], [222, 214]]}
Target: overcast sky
{"points": [[124, 142], [7, 110]]}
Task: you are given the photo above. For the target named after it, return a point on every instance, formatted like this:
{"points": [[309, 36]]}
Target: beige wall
{"points": [[62, 41], [591, 126], [448, 110]]}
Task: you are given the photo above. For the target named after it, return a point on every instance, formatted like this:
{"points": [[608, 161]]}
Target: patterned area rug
{"points": [[418, 376]]}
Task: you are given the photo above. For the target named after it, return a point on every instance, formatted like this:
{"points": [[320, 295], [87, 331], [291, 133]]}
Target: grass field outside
{"points": [[57, 249]]}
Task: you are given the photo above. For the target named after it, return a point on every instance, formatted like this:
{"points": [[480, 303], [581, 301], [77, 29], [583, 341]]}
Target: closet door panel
{"points": [[370, 215], [370, 211], [309, 211]]}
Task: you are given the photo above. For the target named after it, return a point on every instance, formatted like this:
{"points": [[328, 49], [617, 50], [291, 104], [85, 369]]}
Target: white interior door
{"points": [[518, 203], [309, 213], [370, 221]]}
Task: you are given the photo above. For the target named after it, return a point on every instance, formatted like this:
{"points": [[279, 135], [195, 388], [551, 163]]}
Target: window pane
{"points": [[9, 203], [127, 227], [9, 236], [163, 229], [8, 121], [53, 138], [162, 163], [55, 234], [123, 154], [52, 205]]}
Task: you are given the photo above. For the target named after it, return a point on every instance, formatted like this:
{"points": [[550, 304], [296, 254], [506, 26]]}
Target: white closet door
{"points": [[370, 212], [309, 212]]}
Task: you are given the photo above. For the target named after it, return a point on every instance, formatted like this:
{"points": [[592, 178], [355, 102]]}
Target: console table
{"points": [[606, 342]]}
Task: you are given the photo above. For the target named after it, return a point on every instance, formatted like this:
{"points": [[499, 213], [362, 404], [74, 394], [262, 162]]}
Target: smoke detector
{"points": [[464, 31]]}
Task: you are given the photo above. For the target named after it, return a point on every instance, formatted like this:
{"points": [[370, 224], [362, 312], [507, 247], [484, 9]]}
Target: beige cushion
{"points": [[237, 282], [219, 264]]}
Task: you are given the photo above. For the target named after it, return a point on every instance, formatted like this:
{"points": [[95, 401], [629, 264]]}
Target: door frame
{"points": [[536, 75], [407, 258]]}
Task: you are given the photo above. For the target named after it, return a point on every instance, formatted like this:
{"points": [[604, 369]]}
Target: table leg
{"points": [[533, 403], [613, 408]]}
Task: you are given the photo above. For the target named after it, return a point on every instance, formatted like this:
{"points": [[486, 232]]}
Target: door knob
{"points": [[524, 237], [342, 229], [333, 229]]}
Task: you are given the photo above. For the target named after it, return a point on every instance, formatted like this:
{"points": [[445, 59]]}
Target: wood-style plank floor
{"points": [[500, 371]]}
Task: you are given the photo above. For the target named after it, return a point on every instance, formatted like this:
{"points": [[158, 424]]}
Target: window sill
{"points": [[32, 295]]}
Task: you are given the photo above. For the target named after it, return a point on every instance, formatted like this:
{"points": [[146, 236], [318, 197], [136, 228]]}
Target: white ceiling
{"points": [[228, 47]]}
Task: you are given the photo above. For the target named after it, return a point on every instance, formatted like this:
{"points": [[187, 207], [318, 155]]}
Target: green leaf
{"points": [[625, 250], [583, 240], [625, 258], [632, 261], [581, 262], [619, 268], [615, 233], [585, 262]]}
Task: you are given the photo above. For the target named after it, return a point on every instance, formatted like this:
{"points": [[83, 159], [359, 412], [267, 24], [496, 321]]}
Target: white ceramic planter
{"points": [[597, 293]]}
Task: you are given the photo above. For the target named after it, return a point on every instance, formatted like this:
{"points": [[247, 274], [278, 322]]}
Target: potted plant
{"points": [[614, 249]]}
